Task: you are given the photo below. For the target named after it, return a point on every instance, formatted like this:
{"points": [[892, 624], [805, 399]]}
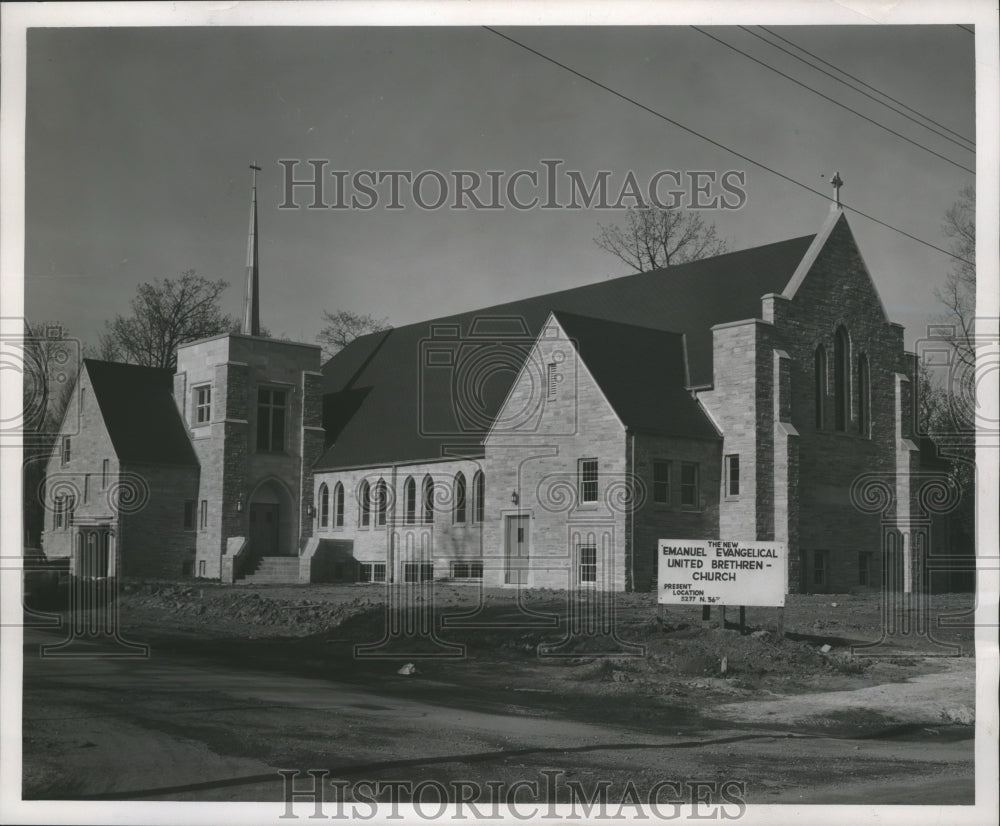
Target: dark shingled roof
{"points": [[392, 396], [620, 358], [137, 404]]}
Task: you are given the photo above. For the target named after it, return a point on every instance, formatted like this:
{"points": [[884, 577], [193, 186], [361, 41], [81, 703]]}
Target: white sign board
{"points": [[721, 572]]}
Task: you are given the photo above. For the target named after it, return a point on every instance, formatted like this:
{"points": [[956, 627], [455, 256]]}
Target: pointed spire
{"points": [[251, 305]]}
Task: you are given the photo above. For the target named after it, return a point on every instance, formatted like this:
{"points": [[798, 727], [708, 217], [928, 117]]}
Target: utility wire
{"points": [[866, 85], [966, 28], [725, 148], [832, 100], [860, 91]]}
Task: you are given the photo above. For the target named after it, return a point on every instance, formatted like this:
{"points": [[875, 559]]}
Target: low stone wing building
{"points": [[548, 442]]}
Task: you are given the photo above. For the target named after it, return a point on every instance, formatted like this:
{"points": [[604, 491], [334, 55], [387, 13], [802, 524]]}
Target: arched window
{"points": [[410, 497], [324, 506], [460, 506], [820, 383], [864, 396], [381, 502], [338, 506], [841, 379], [479, 496], [428, 500], [365, 498]]}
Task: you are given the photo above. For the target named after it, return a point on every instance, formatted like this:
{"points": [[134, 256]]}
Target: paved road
{"points": [[177, 727]]}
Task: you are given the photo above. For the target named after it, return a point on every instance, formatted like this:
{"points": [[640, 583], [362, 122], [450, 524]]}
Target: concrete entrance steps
{"points": [[274, 570]]}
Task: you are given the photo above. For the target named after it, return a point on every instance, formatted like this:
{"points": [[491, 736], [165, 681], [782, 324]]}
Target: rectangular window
{"points": [[661, 483], [733, 475], [201, 568], [418, 572], [203, 521], [70, 510], [271, 409], [371, 572], [467, 570], [86, 487], [865, 568], [104, 474], [820, 567], [551, 379], [66, 450], [203, 404], [189, 511], [588, 563], [588, 480], [58, 508], [689, 485]]}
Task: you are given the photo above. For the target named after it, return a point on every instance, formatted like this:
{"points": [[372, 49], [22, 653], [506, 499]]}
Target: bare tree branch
{"points": [[343, 327], [651, 238]]}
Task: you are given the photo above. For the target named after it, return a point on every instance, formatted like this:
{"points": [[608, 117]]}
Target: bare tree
{"points": [[344, 326], [166, 313], [946, 409], [958, 294], [651, 238]]}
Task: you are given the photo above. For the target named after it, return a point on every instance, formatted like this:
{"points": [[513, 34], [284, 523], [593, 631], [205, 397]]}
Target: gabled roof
{"points": [[409, 413], [137, 405], [641, 373]]}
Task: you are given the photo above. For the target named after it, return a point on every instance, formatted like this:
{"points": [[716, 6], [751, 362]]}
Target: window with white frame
{"points": [[587, 556], [661, 482], [587, 485], [67, 451], [338, 506], [689, 485], [428, 500], [460, 499], [467, 569], [381, 502], [732, 471], [418, 571], [409, 501], [365, 501], [479, 494], [203, 404], [371, 572], [324, 506]]}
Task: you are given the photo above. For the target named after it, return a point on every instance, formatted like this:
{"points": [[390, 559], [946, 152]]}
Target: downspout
{"points": [[391, 538], [630, 515]]}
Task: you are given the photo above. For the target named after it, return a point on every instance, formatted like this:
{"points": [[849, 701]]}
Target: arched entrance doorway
{"points": [[271, 529]]}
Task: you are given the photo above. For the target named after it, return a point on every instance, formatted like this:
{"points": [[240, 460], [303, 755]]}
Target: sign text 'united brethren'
{"points": [[721, 572]]}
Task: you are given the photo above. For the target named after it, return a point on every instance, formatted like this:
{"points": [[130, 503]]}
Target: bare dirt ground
{"points": [[242, 680]]}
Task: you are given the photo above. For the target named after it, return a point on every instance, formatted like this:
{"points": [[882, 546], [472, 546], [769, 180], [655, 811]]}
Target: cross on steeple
{"points": [[251, 305], [837, 183]]}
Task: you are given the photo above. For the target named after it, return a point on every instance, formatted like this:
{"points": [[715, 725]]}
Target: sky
{"points": [[138, 142]]}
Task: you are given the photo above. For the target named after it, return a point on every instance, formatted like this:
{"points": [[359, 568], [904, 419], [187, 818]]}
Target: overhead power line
{"points": [[866, 85], [966, 29], [833, 101], [862, 91], [715, 143]]}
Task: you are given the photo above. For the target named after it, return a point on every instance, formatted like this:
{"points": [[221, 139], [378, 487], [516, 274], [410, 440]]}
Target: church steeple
{"points": [[251, 305]]}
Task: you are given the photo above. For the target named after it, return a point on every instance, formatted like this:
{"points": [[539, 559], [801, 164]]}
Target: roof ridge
{"points": [[627, 276]]}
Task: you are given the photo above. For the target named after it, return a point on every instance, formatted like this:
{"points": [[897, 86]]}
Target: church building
{"points": [[546, 442]]}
